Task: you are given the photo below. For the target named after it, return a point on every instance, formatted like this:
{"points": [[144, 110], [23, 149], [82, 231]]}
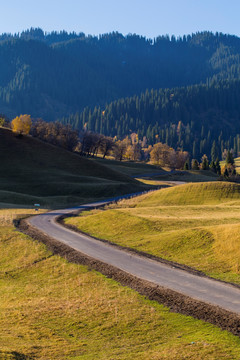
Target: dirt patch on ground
{"points": [[175, 301]]}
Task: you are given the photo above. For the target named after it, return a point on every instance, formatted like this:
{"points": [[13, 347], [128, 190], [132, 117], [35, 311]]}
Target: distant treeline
{"points": [[50, 75], [87, 143], [200, 119]]}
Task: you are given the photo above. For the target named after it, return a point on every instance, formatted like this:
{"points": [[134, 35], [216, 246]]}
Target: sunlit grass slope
{"points": [[193, 194], [51, 309], [193, 224], [33, 171]]}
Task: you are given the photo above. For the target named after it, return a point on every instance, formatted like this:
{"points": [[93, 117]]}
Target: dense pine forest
{"points": [[51, 75], [200, 119], [193, 85]]}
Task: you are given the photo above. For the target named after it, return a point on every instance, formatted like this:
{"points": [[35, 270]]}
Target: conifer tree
{"points": [[226, 174], [213, 151], [229, 158], [213, 166], [204, 164], [195, 164], [218, 167], [186, 165]]}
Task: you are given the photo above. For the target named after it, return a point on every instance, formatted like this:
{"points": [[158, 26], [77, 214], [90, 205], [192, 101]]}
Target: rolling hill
{"points": [[34, 171], [193, 194], [193, 224]]}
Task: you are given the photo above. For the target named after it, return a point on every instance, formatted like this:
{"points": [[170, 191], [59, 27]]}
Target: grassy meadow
{"points": [[51, 309], [36, 172], [193, 224]]}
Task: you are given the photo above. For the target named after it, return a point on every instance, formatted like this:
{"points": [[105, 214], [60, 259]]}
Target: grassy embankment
{"points": [[36, 172], [193, 224], [51, 309]]}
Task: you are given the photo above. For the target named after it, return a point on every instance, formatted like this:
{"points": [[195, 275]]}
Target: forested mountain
{"points": [[55, 74], [201, 119]]}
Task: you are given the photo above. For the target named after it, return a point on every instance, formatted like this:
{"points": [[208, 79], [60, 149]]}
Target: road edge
{"points": [[170, 263]]}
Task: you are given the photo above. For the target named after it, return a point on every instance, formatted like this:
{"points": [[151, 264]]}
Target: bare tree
{"points": [[120, 148], [106, 146]]}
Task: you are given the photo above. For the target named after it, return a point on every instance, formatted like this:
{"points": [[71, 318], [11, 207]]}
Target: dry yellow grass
{"points": [[8, 215], [194, 224], [51, 309]]}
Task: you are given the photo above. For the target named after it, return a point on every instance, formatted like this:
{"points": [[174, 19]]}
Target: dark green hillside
{"points": [[33, 171], [51, 75], [191, 118]]}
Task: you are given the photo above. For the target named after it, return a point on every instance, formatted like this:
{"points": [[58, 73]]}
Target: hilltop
{"points": [[193, 194], [34, 171]]}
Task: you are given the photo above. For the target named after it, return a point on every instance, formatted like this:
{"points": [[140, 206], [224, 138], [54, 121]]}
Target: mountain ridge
{"points": [[53, 75]]}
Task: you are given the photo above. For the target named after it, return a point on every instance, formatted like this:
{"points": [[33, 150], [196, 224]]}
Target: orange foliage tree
{"points": [[22, 124]]}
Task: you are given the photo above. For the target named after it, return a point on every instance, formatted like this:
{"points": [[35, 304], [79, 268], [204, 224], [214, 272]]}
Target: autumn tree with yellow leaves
{"points": [[21, 125], [163, 155]]}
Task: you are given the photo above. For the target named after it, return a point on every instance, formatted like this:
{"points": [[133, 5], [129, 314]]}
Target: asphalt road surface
{"points": [[207, 290]]}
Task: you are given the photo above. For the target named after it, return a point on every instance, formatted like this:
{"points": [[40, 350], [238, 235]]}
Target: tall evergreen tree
{"points": [[229, 158], [218, 167], [214, 151]]}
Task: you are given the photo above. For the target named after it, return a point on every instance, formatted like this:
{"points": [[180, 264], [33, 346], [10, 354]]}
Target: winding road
{"points": [[200, 288]]}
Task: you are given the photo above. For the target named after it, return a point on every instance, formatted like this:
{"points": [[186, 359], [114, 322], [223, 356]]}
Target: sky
{"points": [[149, 18]]}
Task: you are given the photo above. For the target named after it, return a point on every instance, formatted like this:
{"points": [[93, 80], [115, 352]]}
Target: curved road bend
{"points": [[200, 288]]}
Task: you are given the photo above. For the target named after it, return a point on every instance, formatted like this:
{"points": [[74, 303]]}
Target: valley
{"points": [[149, 129]]}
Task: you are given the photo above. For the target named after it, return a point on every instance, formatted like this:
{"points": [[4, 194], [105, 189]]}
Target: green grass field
{"points": [[36, 172], [51, 309], [193, 224]]}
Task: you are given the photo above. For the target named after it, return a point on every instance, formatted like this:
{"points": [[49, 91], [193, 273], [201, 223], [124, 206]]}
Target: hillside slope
{"points": [[193, 194], [194, 224], [53, 75], [191, 118], [33, 171]]}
